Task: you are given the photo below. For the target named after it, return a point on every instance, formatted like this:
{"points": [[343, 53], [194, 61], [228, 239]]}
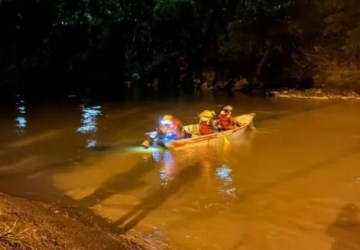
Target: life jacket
{"points": [[205, 126], [225, 120]]}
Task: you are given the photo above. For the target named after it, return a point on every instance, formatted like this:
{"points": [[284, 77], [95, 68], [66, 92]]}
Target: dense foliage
{"points": [[68, 44]]}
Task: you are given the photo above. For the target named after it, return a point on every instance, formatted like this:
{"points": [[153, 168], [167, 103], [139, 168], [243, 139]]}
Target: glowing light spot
{"points": [[223, 173], [165, 122], [89, 119], [21, 122], [165, 176], [142, 150], [230, 191], [91, 143], [21, 109], [89, 123]]}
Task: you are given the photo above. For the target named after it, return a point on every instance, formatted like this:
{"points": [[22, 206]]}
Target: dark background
{"points": [[55, 48]]}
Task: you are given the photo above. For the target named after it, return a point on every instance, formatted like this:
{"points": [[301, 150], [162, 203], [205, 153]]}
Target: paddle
{"points": [[226, 140]]}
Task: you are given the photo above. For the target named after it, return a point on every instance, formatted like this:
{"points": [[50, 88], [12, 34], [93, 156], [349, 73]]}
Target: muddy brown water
{"points": [[293, 183]]}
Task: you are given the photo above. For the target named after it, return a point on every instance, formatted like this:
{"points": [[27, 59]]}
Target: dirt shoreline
{"points": [[27, 224], [316, 93]]}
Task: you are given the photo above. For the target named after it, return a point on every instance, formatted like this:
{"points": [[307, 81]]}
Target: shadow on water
{"points": [[39, 186], [121, 182], [346, 229], [300, 173], [155, 199]]}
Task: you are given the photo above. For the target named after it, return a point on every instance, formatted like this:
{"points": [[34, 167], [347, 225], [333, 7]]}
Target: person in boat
{"points": [[226, 120], [206, 123], [171, 128]]}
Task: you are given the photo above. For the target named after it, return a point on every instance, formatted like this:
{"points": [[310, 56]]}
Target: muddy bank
{"points": [[29, 224], [317, 94]]}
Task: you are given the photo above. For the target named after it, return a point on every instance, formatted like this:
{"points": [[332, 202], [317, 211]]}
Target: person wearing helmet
{"points": [[225, 118], [171, 128], [206, 122]]}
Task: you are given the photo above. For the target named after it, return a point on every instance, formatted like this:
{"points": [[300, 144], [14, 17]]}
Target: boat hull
{"points": [[245, 121]]}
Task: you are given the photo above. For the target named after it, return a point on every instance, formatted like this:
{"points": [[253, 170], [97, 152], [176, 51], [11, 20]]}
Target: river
{"points": [[293, 183]]}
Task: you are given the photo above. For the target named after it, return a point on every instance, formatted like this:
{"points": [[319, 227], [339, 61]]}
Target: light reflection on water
{"points": [[157, 156], [91, 143], [167, 163], [169, 166], [223, 173], [20, 120], [89, 123]]}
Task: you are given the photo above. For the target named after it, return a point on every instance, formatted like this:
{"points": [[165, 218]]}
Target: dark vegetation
{"points": [[111, 47]]}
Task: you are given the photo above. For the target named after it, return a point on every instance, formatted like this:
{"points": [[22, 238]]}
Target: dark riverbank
{"points": [[316, 93], [30, 224]]}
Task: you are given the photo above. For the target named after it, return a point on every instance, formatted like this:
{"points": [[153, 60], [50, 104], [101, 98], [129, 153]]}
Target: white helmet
{"points": [[228, 108]]}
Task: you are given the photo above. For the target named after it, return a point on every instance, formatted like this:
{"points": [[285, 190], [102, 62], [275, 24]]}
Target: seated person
{"points": [[171, 128], [206, 122], [226, 120]]}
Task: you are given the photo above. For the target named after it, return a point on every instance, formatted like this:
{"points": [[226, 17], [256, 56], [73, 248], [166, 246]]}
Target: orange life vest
{"points": [[225, 121], [205, 127]]}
